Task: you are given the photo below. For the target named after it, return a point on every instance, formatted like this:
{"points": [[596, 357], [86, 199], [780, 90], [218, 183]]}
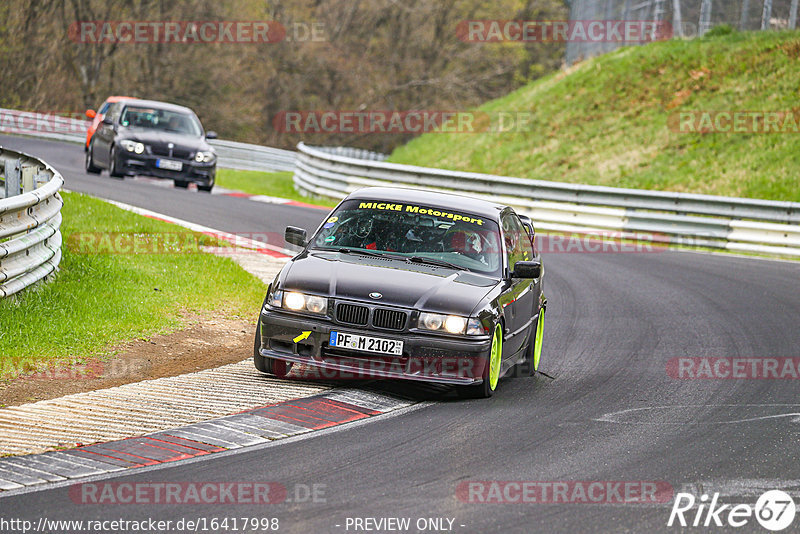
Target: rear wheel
{"points": [[91, 168], [533, 353], [181, 184], [205, 188], [270, 366], [537, 346], [491, 373]]}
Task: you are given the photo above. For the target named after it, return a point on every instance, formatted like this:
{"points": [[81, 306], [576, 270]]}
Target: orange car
{"points": [[97, 116]]}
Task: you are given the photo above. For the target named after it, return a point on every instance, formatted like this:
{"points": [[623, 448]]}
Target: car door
{"points": [[104, 136], [518, 298], [101, 111]]}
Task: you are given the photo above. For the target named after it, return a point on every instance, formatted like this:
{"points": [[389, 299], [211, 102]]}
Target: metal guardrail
{"points": [[244, 156], [350, 152], [30, 218], [749, 225], [230, 154], [740, 224]]}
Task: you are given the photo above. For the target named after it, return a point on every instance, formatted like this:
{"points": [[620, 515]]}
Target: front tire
{"points": [[491, 373], [205, 188], [181, 184], [91, 168], [112, 164], [270, 366]]}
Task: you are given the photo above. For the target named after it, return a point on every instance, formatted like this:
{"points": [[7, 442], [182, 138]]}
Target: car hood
{"points": [[422, 287], [156, 137]]}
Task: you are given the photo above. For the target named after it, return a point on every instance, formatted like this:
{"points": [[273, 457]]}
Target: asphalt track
{"points": [[611, 412]]}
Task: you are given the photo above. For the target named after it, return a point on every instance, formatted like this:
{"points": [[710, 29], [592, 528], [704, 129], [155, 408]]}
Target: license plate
{"points": [[169, 164], [366, 343]]}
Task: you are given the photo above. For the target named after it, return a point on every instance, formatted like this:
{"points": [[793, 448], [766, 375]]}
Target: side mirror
{"points": [[107, 120], [295, 236], [527, 269], [90, 114], [211, 134]]}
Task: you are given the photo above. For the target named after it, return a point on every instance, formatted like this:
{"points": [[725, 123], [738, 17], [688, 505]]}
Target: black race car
{"points": [[154, 139], [408, 284]]}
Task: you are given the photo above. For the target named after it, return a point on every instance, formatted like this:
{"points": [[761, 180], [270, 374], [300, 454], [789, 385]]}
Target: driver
{"points": [[175, 124], [356, 232], [376, 236], [465, 241]]}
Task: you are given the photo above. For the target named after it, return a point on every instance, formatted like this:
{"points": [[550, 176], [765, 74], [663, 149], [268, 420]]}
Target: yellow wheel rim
{"points": [[495, 357], [537, 347]]}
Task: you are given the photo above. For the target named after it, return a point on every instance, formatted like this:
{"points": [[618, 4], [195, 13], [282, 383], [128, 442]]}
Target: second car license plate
{"points": [[169, 164], [366, 343]]}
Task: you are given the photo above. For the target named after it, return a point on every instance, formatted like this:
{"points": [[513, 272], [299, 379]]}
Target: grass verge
{"points": [[273, 184], [98, 300], [611, 121]]}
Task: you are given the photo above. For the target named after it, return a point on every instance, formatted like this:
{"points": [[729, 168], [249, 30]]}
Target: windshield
{"points": [[160, 119], [416, 232]]}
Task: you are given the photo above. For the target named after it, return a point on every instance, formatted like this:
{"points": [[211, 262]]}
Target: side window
{"points": [[527, 225], [114, 110], [508, 236], [518, 245], [104, 108], [525, 242], [512, 236]]}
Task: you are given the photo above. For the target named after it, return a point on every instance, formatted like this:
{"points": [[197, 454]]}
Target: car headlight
{"points": [[452, 324], [296, 301], [204, 157], [455, 325], [132, 146]]}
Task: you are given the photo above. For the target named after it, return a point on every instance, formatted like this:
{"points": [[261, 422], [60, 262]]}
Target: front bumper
{"points": [[145, 164], [428, 358]]}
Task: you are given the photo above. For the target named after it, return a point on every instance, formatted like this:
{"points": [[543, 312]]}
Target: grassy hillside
{"points": [[605, 121]]}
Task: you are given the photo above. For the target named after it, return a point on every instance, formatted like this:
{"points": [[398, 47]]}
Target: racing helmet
{"points": [[463, 241]]}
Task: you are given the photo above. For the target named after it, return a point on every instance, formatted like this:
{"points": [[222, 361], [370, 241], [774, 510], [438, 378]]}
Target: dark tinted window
{"points": [[161, 119], [114, 110], [525, 242], [517, 241], [468, 241]]}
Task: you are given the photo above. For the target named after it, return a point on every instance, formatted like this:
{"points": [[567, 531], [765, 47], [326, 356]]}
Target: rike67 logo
{"points": [[774, 510]]}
